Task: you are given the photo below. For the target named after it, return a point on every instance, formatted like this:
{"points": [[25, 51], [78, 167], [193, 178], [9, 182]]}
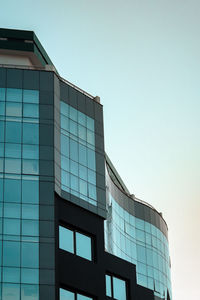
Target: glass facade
{"points": [[19, 194], [140, 243], [78, 162]]}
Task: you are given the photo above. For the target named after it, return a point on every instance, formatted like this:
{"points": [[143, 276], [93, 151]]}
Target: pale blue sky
{"points": [[142, 57]]}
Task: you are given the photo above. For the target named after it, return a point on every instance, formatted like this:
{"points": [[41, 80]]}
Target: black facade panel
{"points": [[31, 80], [3, 77], [14, 78]]}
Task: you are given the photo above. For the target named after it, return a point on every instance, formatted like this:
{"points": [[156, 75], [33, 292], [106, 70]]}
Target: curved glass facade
{"points": [[139, 242]]}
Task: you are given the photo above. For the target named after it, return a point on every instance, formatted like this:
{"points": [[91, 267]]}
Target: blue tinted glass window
{"points": [[31, 96], [83, 187], [30, 166], [83, 172], [13, 132], [31, 110], [2, 108], [30, 151], [12, 210], [1, 131], [65, 163], [90, 137], [83, 246], [64, 108], [30, 228], [66, 295], [11, 275], [30, 191], [13, 109], [65, 145], [29, 275], [81, 118], [29, 292], [82, 132], [74, 150], [12, 190], [91, 159], [1, 164], [1, 149], [73, 127], [11, 226], [2, 94], [91, 176], [10, 291], [30, 255], [119, 289], [1, 189], [92, 191], [14, 95], [82, 155], [11, 254], [66, 239], [30, 211], [64, 122], [13, 165], [108, 286], [73, 114], [74, 183], [13, 150], [74, 167], [30, 133]]}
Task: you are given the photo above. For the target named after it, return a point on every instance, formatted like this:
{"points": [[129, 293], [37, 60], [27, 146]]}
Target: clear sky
{"points": [[142, 57]]}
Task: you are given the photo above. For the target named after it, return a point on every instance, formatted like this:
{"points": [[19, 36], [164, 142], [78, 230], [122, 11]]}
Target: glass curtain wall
{"points": [[19, 194], [78, 162]]}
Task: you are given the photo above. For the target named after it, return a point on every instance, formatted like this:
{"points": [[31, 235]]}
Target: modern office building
{"points": [[70, 229]]}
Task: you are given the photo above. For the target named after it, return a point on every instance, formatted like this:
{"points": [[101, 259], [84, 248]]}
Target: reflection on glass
{"points": [[108, 286], [83, 246], [10, 291], [119, 289], [66, 295], [66, 239]]}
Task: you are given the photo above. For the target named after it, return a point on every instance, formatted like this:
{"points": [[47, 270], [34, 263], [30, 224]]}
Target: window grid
{"points": [[141, 243], [113, 290], [19, 193], [78, 170], [75, 241]]}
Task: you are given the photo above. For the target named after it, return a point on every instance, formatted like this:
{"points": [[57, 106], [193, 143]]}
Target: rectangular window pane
{"points": [[11, 226], [66, 239], [11, 291], [2, 108], [13, 109], [74, 150], [119, 289], [11, 275], [31, 96], [65, 145], [30, 166], [1, 131], [30, 151], [13, 150], [31, 110], [12, 190], [81, 297], [108, 286], [30, 276], [66, 295], [30, 227], [30, 191], [11, 254], [30, 255], [13, 132], [30, 211], [12, 210], [29, 292], [14, 95], [83, 246], [30, 133], [91, 159], [13, 165]]}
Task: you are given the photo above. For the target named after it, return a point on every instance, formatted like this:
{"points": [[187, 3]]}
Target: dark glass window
{"points": [[115, 288], [75, 242]]}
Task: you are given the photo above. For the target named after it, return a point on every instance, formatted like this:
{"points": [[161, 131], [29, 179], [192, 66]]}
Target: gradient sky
{"points": [[142, 57]]}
